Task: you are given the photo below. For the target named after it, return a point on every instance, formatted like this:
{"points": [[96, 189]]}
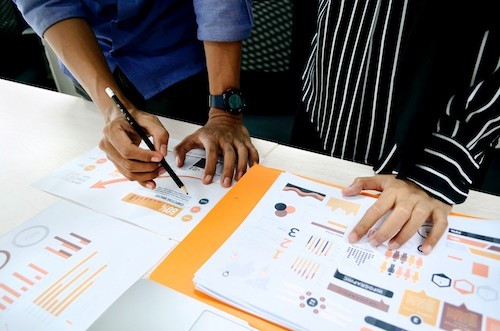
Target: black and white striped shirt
{"points": [[410, 87]]}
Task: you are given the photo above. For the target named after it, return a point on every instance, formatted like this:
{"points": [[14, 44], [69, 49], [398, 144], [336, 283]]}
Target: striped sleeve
{"points": [[453, 121], [456, 150]]}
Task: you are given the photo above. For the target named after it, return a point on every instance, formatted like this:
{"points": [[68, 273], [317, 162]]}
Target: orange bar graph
{"points": [[50, 288], [76, 296], [52, 296], [72, 285], [60, 253], [78, 291], [8, 289], [466, 241], [37, 268], [8, 299], [24, 279], [485, 254], [70, 247], [83, 240]]}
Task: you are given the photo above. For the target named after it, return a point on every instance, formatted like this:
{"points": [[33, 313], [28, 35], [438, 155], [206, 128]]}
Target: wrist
{"points": [[216, 112], [108, 107]]}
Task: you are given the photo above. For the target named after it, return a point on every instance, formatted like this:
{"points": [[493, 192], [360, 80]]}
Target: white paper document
{"points": [[93, 181], [290, 262], [64, 267]]}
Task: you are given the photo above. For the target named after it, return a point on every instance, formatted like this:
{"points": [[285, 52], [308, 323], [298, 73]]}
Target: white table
{"points": [[42, 130]]}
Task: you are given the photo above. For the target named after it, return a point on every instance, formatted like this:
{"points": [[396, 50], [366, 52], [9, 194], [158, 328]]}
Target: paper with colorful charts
{"points": [[290, 262], [93, 181], [64, 267]]}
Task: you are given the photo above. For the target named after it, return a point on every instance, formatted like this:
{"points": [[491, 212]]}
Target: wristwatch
{"points": [[232, 101]]}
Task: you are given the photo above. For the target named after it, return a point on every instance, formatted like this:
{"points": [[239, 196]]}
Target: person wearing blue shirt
{"points": [[158, 57]]}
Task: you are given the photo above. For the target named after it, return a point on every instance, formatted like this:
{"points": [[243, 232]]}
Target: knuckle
{"points": [[376, 209], [127, 153], [421, 211], [404, 211]]}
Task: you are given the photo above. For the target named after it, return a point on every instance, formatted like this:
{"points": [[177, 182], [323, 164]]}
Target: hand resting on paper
{"points": [[222, 134], [411, 207]]}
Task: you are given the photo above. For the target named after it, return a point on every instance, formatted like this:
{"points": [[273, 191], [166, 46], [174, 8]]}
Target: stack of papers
{"points": [[289, 262]]}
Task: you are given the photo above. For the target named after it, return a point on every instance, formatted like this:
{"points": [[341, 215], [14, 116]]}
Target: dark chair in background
{"points": [[22, 58], [266, 71]]}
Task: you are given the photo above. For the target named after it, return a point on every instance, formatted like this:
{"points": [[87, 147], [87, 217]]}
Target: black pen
{"points": [[144, 137]]}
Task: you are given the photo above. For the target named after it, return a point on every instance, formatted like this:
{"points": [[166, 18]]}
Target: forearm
{"points": [[223, 65], [76, 46]]}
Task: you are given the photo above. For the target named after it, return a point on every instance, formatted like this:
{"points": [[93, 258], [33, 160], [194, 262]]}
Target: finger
{"points": [[212, 155], [131, 169], [401, 213], [122, 139], [183, 148], [440, 220], [418, 216], [229, 156], [253, 157], [364, 183], [154, 129], [150, 184], [372, 215], [242, 161], [159, 135]]}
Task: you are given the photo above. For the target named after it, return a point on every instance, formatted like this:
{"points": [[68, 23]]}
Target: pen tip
{"points": [[184, 190]]}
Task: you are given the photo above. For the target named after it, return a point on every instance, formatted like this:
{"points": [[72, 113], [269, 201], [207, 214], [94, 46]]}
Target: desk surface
{"points": [[43, 130]]}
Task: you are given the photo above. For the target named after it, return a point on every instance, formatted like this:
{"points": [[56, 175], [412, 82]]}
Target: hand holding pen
{"points": [[139, 130]]}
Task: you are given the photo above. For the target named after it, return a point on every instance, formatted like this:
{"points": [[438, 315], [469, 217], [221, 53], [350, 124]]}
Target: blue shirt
{"points": [[155, 43]]}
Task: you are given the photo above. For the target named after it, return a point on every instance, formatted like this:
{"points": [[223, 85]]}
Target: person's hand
{"points": [[411, 207], [120, 143], [222, 134]]}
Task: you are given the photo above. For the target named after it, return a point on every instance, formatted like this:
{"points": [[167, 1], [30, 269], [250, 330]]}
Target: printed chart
{"points": [[290, 262], [55, 266], [93, 181]]}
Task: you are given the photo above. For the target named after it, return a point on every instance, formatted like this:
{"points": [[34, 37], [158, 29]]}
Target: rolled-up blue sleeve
{"points": [[223, 20], [41, 15]]}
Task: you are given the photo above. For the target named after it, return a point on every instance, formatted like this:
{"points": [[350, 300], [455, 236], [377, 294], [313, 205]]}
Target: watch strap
{"points": [[217, 101]]}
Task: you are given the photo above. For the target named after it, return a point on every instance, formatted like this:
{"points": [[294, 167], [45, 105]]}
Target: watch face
{"points": [[235, 103]]}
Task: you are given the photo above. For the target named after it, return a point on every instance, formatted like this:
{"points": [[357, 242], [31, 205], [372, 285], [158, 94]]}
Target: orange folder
{"points": [[179, 267]]}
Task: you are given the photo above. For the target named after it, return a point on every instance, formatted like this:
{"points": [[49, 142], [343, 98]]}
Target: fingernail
{"points": [[394, 245], [374, 242], [150, 186], [177, 161], [161, 171], [155, 159], [427, 249], [240, 174], [163, 149], [208, 178], [353, 238], [227, 181]]}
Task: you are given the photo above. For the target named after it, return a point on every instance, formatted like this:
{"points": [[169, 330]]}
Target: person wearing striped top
{"points": [[411, 88]]}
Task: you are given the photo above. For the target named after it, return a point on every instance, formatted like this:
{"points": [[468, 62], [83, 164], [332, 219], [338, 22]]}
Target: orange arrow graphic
{"points": [[102, 184]]}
